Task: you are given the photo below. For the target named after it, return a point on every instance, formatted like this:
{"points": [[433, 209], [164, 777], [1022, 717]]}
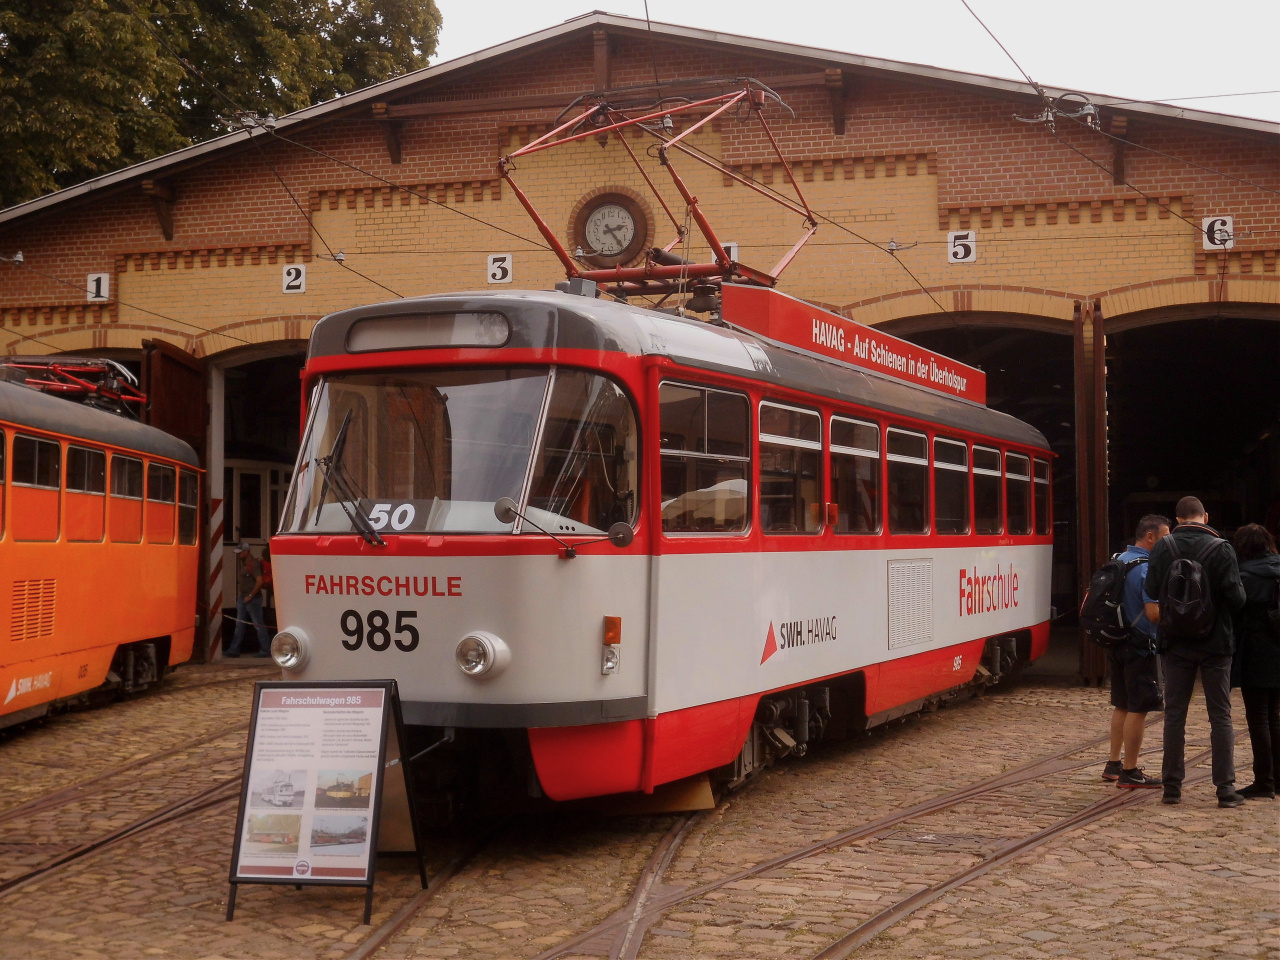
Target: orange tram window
{"points": [[86, 487], [36, 476], [126, 499]]}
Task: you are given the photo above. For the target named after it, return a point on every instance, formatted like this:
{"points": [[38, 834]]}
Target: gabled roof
{"points": [[362, 100]]}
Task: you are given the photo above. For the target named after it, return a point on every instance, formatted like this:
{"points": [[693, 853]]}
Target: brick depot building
{"points": [[220, 258]]}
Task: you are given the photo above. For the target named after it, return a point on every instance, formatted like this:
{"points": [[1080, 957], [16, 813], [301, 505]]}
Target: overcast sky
{"points": [[1142, 49]]}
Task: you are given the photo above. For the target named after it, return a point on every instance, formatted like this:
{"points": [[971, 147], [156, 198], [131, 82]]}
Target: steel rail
{"points": [[1050, 765], [73, 792], [397, 921], [877, 924], [219, 793]]}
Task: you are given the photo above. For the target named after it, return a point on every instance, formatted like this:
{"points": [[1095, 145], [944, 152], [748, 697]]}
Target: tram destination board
{"points": [[314, 773], [776, 316]]}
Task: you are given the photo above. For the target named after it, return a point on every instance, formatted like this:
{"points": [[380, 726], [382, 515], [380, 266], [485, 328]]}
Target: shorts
{"points": [[1135, 681]]}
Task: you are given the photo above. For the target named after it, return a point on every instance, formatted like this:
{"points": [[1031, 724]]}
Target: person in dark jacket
{"points": [[1210, 655], [1255, 668]]}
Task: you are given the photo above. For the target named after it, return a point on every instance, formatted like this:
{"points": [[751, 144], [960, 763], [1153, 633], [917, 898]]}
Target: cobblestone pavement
{"points": [[1149, 881]]}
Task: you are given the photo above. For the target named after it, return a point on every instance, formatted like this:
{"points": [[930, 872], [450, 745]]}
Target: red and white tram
{"points": [[718, 545]]}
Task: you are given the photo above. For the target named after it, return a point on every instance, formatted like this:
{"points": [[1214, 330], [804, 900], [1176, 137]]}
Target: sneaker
{"points": [[1136, 778], [1112, 770], [1231, 799], [1256, 791], [1172, 794]]}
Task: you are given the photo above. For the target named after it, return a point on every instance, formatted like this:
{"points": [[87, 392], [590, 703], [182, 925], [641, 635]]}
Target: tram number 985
{"points": [[376, 630]]}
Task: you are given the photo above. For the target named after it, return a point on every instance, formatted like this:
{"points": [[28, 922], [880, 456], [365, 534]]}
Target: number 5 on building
{"points": [[500, 268], [962, 246]]}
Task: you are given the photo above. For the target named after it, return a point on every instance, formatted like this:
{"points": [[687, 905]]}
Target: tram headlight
{"points": [[289, 649], [481, 654]]}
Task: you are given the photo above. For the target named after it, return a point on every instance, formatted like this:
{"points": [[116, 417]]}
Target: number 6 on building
{"points": [[962, 246], [500, 268]]}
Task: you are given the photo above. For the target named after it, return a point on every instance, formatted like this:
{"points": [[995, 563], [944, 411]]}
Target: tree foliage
{"points": [[88, 86]]}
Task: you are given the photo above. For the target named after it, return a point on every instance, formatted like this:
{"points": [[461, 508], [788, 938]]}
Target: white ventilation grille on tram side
{"points": [[32, 609], [910, 602]]}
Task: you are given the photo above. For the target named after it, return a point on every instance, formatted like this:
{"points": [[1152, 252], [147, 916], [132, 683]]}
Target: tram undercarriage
{"points": [[466, 775]]}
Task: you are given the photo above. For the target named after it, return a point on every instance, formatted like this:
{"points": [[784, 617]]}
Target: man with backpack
{"points": [[1135, 680], [1194, 577]]}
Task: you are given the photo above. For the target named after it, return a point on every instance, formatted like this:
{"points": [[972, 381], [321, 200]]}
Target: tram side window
{"points": [[950, 486], [1017, 479], [37, 481], [705, 448], [188, 504], [1043, 495], [86, 490], [161, 494], [855, 475], [4, 480], [125, 508], [987, 516], [790, 469], [908, 456]]}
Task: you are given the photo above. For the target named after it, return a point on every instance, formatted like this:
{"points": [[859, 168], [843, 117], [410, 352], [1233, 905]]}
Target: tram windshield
{"points": [[431, 451]]}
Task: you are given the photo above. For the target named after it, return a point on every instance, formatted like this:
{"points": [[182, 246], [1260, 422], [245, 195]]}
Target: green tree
{"points": [[88, 86]]}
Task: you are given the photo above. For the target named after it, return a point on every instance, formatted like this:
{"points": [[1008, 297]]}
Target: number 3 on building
{"points": [[500, 268], [962, 246], [295, 278]]}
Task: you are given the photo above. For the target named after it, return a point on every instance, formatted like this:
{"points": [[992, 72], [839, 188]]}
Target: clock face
{"points": [[609, 229]]}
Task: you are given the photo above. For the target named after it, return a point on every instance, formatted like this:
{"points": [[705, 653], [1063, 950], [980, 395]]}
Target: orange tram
{"points": [[98, 552]]}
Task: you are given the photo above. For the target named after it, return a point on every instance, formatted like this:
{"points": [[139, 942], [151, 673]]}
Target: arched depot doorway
{"points": [[253, 445], [1193, 407]]}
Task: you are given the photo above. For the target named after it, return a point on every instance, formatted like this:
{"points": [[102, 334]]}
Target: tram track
{"points": [[624, 930], [219, 793], [76, 791]]}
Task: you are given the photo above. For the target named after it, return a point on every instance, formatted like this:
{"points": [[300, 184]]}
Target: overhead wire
{"points": [[131, 306], [242, 115], [1054, 133], [1190, 163]]}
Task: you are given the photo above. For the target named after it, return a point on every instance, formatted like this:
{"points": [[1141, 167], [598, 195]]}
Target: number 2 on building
{"points": [[295, 278]]}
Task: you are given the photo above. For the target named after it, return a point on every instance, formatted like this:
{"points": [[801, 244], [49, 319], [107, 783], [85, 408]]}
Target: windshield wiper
{"points": [[335, 479]]}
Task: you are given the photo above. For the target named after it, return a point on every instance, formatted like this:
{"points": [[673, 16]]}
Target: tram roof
{"points": [[547, 320], [25, 406]]}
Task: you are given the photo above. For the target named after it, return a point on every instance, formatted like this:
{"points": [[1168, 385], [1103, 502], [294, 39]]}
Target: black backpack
{"points": [[1186, 603], [1101, 613], [1273, 614]]}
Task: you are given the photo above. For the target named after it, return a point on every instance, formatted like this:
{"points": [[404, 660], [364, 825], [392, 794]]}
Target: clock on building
{"points": [[610, 229]]}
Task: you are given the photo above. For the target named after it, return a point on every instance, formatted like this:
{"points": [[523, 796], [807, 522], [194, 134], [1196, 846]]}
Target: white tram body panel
{"points": [[829, 614], [638, 661]]}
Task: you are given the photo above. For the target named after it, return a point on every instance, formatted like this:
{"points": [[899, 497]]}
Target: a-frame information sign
{"points": [[314, 772]]}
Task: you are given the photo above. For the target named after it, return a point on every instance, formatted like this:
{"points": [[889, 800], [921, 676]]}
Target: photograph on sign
{"points": [[344, 788], [1218, 233], [98, 287], [278, 788], [962, 246], [317, 751], [340, 836], [500, 268]]}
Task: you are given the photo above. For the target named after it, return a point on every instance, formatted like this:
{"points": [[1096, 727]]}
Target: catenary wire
{"points": [[131, 306], [1054, 133], [409, 190], [241, 113], [1190, 163]]}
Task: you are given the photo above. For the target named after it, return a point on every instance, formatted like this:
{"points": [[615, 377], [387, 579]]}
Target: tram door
{"points": [[254, 492]]}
